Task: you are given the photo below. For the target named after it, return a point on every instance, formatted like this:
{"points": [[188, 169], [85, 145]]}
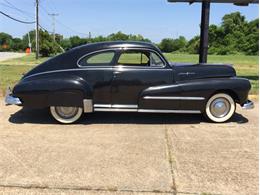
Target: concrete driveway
{"points": [[127, 153]]}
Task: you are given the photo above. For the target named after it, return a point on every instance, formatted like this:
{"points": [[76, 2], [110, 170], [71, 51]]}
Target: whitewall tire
{"points": [[66, 115], [220, 108]]}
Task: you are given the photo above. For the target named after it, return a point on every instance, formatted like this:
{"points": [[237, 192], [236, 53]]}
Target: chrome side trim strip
{"points": [[170, 111], [131, 106], [114, 110], [64, 70], [172, 98], [124, 106], [102, 105], [146, 110], [88, 105]]}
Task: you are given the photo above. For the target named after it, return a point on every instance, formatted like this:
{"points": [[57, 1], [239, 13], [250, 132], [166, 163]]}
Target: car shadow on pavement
{"points": [[42, 116]]}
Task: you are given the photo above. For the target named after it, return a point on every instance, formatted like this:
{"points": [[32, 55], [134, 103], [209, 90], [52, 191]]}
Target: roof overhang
{"points": [[236, 2]]}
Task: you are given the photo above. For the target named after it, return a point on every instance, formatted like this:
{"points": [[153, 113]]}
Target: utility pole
{"points": [[37, 29], [204, 32], [29, 42], [53, 24]]}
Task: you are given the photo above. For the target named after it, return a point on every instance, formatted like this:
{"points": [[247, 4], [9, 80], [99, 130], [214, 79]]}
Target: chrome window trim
{"points": [[115, 65], [144, 67], [95, 52], [172, 98], [107, 66]]}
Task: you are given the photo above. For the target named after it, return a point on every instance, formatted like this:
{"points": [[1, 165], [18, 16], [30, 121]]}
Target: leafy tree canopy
{"points": [[234, 35]]}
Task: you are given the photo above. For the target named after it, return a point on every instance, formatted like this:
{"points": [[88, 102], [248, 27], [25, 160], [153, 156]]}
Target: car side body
{"points": [[75, 79]]}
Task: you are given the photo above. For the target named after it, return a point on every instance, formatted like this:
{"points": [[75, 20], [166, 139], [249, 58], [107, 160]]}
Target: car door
{"points": [[97, 71], [135, 71]]}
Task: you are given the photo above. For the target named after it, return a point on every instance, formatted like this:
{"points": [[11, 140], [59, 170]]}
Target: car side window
{"points": [[140, 58], [134, 58], [155, 60], [98, 59]]}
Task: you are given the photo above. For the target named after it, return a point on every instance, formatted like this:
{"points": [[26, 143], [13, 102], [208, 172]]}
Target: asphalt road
{"points": [[9, 55], [127, 153]]}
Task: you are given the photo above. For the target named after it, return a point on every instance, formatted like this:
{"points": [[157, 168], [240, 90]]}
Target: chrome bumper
{"points": [[248, 105], [11, 100]]}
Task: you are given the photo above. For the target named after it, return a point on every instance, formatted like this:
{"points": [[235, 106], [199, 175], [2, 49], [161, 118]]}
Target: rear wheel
{"points": [[66, 115], [220, 108]]}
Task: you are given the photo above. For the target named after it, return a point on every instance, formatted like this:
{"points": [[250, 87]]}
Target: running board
{"points": [[146, 110]]}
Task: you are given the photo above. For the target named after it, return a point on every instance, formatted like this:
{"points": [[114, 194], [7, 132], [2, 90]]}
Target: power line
{"points": [[15, 19], [10, 5], [64, 25], [59, 22], [61, 48]]}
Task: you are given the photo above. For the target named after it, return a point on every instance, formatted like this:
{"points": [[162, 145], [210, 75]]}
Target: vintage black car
{"points": [[129, 77]]}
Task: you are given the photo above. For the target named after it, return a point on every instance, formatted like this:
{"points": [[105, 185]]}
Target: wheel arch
{"points": [[230, 92]]}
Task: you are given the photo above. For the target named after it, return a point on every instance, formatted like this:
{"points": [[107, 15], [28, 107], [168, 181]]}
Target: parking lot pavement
{"points": [[217, 158], [112, 157], [127, 153]]}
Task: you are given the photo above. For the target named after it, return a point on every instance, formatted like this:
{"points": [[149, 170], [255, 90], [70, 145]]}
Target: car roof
{"points": [[116, 44]]}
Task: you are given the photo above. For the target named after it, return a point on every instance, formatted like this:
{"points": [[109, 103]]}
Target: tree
{"points": [[47, 45], [171, 45], [179, 44], [234, 35], [167, 45], [6, 42], [119, 36], [75, 41], [193, 45]]}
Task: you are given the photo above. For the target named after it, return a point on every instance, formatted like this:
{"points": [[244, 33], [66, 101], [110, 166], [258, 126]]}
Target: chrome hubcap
{"points": [[220, 107], [66, 112]]}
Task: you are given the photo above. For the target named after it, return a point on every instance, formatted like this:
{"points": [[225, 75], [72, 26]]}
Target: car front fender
{"points": [[193, 94]]}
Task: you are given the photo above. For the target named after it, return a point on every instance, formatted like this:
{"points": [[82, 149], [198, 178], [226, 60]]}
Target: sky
{"points": [[154, 19]]}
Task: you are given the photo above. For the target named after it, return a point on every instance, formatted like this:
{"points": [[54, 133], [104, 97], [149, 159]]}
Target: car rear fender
{"points": [[49, 91]]}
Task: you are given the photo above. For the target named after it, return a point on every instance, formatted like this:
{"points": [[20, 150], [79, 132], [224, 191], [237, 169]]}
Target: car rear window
{"points": [[98, 59]]}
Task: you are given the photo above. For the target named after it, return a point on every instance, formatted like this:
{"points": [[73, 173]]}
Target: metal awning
{"points": [[236, 2], [205, 12]]}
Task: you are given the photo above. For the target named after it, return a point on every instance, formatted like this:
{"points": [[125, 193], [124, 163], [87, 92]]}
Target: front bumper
{"points": [[248, 105], [10, 99]]}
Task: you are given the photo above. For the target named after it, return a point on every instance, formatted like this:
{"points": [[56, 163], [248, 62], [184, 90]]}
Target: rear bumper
{"points": [[248, 105], [10, 99]]}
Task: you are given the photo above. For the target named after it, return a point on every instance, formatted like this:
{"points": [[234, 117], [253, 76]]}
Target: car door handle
{"points": [[116, 73]]}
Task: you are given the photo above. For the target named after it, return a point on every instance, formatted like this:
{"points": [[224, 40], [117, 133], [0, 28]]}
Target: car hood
{"points": [[189, 71]]}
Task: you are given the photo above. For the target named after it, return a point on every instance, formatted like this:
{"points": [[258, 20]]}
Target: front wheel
{"points": [[220, 108], [66, 115]]}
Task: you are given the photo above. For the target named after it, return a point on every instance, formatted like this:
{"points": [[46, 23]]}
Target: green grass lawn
{"points": [[246, 66]]}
